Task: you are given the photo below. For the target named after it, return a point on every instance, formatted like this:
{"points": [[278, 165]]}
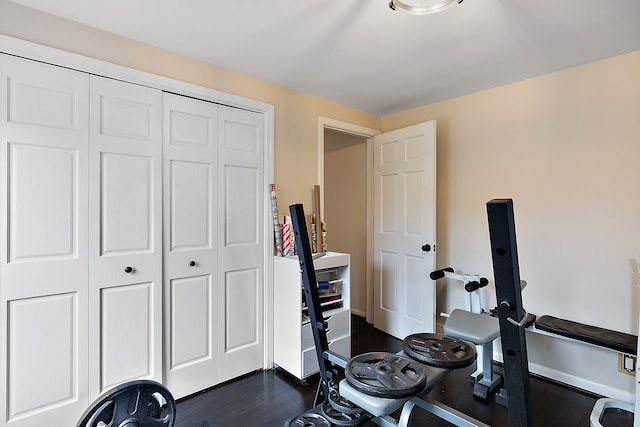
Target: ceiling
{"points": [[362, 54]]}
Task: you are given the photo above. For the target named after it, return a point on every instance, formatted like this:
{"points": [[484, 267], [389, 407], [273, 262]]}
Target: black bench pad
{"points": [[607, 338]]}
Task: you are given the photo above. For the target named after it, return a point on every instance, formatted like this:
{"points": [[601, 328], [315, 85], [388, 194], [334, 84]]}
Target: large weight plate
{"points": [[343, 405], [310, 419], [147, 402], [385, 375], [440, 350], [339, 418]]}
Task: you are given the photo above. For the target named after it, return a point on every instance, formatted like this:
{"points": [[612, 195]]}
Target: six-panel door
{"points": [[44, 131], [404, 230], [241, 254], [125, 239], [190, 235]]}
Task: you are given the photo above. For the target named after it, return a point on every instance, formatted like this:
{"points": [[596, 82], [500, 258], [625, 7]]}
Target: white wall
{"points": [[566, 148]]}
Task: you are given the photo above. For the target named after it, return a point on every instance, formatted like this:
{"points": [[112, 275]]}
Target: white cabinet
{"points": [[294, 347]]}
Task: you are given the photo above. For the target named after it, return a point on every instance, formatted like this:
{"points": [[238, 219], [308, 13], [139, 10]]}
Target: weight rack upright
{"points": [[512, 316], [326, 359]]}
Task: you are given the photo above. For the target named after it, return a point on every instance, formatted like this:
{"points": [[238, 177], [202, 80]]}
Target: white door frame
{"points": [[326, 123], [62, 58]]}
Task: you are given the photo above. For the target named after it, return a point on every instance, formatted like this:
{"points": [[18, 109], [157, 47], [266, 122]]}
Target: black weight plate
{"points": [[338, 418], [440, 350], [385, 375], [343, 405], [310, 419], [154, 407], [138, 400]]}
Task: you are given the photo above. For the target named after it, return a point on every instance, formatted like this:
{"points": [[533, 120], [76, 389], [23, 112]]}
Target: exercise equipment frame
{"points": [[329, 362]]}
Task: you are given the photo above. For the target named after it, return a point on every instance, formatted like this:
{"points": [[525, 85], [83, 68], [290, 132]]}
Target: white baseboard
{"points": [[581, 383], [358, 313], [573, 381]]}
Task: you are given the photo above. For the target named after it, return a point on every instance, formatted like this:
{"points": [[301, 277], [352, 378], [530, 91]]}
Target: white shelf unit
{"points": [[294, 348]]}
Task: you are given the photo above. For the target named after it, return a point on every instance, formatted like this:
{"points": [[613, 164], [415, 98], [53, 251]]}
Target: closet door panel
{"points": [[125, 237], [39, 349], [127, 196], [191, 202], [240, 260], [44, 122], [241, 288], [127, 341], [190, 134], [241, 218], [191, 321], [44, 222]]}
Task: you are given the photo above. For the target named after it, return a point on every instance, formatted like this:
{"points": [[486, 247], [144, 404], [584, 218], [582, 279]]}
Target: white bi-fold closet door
{"points": [[125, 233], [44, 315], [81, 269], [213, 246]]}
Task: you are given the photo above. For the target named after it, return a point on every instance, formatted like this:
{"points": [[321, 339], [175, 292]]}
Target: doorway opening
{"points": [[345, 176]]}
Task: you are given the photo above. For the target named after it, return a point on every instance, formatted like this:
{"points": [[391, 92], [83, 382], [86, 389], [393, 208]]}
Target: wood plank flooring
{"points": [[269, 398]]}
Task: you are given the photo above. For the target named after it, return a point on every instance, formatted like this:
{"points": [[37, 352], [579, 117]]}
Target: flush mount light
{"points": [[422, 7]]}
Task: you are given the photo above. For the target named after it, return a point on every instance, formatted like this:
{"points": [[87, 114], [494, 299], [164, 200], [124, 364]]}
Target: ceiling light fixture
{"points": [[422, 7]]}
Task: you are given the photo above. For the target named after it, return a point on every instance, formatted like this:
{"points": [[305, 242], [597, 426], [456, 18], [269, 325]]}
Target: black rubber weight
{"points": [[310, 420], [385, 375], [439, 350], [339, 418]]}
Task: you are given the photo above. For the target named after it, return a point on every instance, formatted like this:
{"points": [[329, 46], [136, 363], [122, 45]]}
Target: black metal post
{"points": [[312, 297], [504, 252]]}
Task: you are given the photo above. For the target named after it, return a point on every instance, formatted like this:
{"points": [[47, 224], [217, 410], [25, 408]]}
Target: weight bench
{"points": [[381, 408], [594, 335], [473, 325], [376, 384], [481, 330], [600, 337]]}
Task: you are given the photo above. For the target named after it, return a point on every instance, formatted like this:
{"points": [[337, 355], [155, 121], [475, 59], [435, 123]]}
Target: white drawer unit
{"points": [[294, 348]]}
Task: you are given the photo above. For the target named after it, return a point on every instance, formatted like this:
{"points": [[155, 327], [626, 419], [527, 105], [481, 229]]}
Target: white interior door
{"points": [[190, 163], [44, 130], [241, 244], [404, 221], [125, 207]]}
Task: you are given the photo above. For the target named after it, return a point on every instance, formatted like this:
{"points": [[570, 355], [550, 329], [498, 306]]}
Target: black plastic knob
{"points": [[506, 305], [128, 269], [426, 248], [472, 286], [192, 263]]}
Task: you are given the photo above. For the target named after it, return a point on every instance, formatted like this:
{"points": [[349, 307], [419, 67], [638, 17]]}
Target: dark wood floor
{"points": [[269, 398]]}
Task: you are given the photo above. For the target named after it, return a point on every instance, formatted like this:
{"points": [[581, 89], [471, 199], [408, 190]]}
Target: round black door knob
{"points": [[426, 248]]}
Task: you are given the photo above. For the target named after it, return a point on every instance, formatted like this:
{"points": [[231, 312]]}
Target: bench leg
{"points": [[484, 380], [604, 404]]}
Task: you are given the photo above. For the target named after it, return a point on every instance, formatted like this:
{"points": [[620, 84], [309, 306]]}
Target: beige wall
{"points": [[566, 148], [296, 113], [345, 204]]}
